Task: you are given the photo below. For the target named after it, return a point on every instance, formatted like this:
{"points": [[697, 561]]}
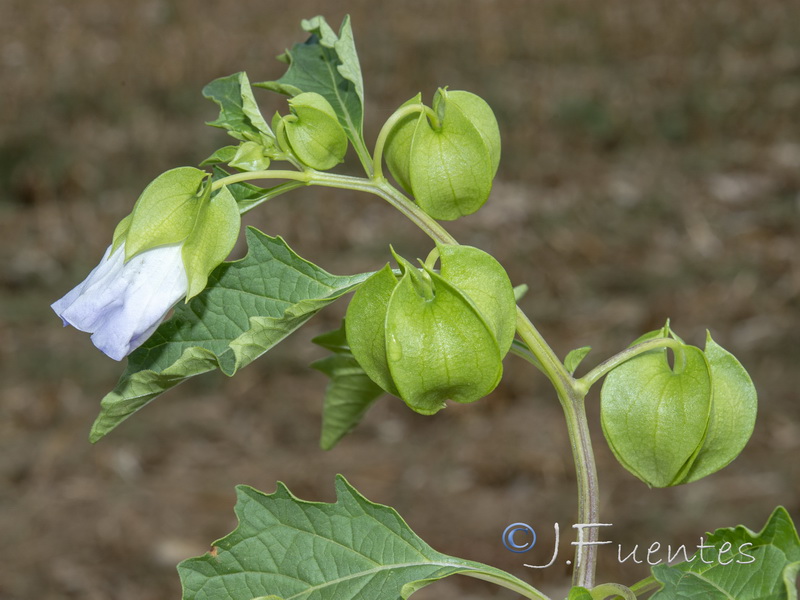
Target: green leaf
{"points": [[742, 565], [222, 155], [733, 413], [352, 549], [249, 306], [335, 341], [575, 357], [211, 240], [239, 112], [350, 392], [348, 396], [165, 213], [328, 65], [655, 418]]}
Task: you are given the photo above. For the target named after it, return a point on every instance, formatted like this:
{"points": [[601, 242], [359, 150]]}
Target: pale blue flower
{"points": [[122, 303]]}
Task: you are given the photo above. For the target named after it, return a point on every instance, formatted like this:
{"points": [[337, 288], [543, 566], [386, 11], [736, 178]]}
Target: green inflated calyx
{"points": [[733, 413], [211, 240], [179, 207], [429, 337], [439, 349], [166, 211], [366, 326], [676, 424], [448, 163], [251, 156], [313, 132]]}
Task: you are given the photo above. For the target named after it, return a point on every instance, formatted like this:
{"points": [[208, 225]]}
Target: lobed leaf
{"points": [[742, 564], [238, 110], [328, 65], [248, 307], [351, 549]]}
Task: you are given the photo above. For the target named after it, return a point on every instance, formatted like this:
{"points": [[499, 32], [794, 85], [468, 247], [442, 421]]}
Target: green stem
{"points": [[414, 213], [521, 349], [385, 190], [646, 586], [400, 114], [571, 396], [514, 584], [571, 392], [363, 155], [613, 590], [287, 186], [303, 176], [607, 366]]}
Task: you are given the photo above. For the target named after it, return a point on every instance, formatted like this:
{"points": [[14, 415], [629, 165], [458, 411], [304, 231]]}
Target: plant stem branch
{"points": [[363, 154], [510, 584], [572, 401], [400, 114], [646, 586], [605, 367], [382, 188], [571, 392], [303, 176]]}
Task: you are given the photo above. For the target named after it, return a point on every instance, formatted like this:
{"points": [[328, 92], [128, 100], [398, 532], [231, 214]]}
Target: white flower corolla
{"points": [[122, 303]]}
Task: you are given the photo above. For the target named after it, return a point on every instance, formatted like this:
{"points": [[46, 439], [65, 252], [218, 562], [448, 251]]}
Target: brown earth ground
{"points": [[651, 169]]}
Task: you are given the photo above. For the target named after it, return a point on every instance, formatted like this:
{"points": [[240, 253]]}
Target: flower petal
{"points": [[121, 304]]}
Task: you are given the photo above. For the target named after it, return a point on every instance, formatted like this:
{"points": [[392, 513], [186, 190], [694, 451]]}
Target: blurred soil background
{"points": [[651, 169]]}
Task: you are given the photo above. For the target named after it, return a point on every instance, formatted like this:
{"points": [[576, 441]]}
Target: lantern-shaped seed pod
{"points": [[676, 424], [448, 167], [313, 131], [428, 337]]}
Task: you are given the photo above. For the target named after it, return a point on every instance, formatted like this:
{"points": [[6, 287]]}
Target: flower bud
{"points": [[250, 156], [448, 167], [314, 133]]}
